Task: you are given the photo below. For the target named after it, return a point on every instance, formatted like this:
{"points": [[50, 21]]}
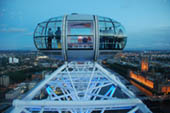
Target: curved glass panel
{"points": [[54, 35], [107, 34], [120, 34], [39, 36], [119, 29], [111, 35], [56, 19], [106, 28], [40, 42], [48, 34], [40, 30], [103, 19]]}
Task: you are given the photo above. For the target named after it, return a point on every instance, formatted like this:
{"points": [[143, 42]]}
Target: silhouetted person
{"points": [[85, 40], [110, 31], [79, 39], [101, 42], [58, 37], [89, 39], [50, 37], [110, 42]]}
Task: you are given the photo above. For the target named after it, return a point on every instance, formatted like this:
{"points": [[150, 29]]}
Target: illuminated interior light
{"points": [[47, 89], [113, 90]]}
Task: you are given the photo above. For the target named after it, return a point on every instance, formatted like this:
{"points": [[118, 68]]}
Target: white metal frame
{"points": [[82, 88]]}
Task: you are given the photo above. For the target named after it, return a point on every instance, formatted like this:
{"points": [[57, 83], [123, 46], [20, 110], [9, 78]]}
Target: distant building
{"points": [[4, 80], [54, 65], [152, 83], [43, 74], [10, 60], [32, 84], [41, 57], [22, 85], [37, 76], [13, 60], [144, 65], [13, 94], [45, 65]]}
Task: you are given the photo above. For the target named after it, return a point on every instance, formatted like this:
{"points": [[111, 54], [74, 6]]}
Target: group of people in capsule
{"points": [[80, 42], [56, 36], [106, 42]]}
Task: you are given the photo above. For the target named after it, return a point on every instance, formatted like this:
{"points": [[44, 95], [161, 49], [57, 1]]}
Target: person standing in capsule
{"points": [[50, 37], [58, 37]]}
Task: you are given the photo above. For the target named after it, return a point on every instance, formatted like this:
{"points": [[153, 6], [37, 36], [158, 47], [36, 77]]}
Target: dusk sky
{"points": [[147, 22]]}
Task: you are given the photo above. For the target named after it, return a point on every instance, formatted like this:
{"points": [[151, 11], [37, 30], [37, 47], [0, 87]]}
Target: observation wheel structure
{"points": [[80, 85]]}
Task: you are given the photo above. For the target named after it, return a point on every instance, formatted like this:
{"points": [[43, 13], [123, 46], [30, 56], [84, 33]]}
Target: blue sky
{"points": [[147, 22]]}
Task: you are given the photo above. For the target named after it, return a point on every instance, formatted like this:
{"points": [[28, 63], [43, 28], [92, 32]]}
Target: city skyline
{"points": [[146, 22]]}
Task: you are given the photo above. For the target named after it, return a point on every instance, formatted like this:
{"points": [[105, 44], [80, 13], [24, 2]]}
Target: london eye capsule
{"points": [[80, 37]]}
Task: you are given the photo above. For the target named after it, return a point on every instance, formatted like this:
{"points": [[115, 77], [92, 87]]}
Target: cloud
{"points": [[164, 28], [153, 31], [9, 30], [164, 1], [161, 31], [29, 34], [4, 10], [3, 25]]}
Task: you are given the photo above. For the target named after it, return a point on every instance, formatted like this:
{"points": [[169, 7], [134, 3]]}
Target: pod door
{"points": [[80, 40]]}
